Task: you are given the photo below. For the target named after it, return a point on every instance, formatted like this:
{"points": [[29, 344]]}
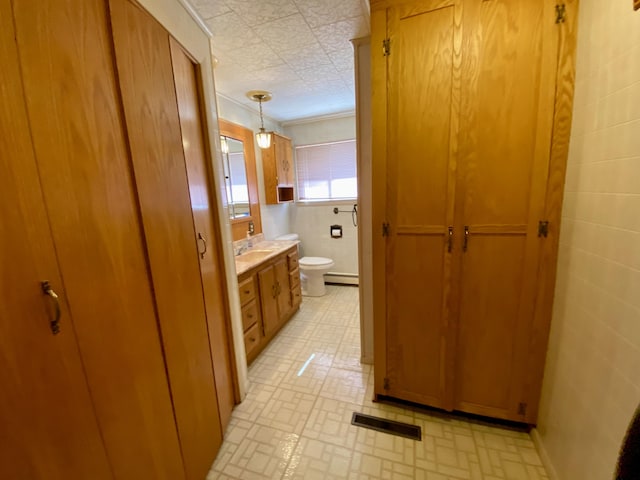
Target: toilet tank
{"points": [[292, 237], [289, 236]]}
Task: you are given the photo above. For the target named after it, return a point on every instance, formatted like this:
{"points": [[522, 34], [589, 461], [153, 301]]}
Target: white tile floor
{"points": [[295, 422]]}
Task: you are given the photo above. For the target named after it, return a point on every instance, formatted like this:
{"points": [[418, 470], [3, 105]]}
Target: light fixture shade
{"points": [[263, 138]]}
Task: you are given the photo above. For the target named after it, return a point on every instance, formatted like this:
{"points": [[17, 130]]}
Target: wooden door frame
{"points": [[558, 155], [378, 197]]}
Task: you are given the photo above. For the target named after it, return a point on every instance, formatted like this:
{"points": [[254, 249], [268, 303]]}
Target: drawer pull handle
{"points": [[204, 240], [466, 238], [250, 315], [247, 291], [55, 323]]}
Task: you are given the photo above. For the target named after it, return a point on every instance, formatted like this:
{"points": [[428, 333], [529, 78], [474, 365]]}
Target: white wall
{"points": [[362, 49], [592, 378], [312, 222], [275, 218]]}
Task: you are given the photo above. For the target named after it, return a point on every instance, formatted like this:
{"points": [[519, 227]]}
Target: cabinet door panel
{"points": [[146, 80], [415, 332], [284, 160], [78, 134], [420, 184], [267, 284], [284, 289], [507, 111], [205, 215], [47, 415], [490, 317]]}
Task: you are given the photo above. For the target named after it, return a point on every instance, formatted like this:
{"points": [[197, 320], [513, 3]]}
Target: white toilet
{"points": [[312, 271]]}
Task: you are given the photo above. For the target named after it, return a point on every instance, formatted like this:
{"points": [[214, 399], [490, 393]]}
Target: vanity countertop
{"points": [[260, 252]]}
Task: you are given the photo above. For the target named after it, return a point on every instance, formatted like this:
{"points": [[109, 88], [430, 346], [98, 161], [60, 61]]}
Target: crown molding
{"points": [[196, 16], [319, 118]]}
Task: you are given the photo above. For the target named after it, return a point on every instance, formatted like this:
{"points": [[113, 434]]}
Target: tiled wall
{"points": [[592, 378], [312, 222]]}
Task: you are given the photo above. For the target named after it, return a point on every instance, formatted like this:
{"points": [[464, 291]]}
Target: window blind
{"points": [[327, 171]]}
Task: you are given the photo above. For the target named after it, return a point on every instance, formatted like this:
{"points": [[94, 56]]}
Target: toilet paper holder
{"points": [[335, 231]]}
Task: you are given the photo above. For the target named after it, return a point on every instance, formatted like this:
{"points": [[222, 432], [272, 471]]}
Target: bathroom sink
{"points": [[254, 255]]}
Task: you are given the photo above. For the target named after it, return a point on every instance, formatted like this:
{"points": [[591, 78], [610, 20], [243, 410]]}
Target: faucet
{"points": [[250, 231], [242, 248]]}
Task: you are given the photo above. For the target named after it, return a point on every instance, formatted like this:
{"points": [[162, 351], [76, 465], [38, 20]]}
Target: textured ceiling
{"points": [[299, 50]]}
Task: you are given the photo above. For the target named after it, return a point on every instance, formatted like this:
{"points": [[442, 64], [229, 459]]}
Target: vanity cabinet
{"points": [[269, 296], [275, 294], [277, 165], [294, 279], [251, 315]]}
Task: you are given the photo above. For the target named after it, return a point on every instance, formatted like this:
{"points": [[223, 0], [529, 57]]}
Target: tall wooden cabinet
{"points": [[106, 370], [277, 167], [465, 94]]}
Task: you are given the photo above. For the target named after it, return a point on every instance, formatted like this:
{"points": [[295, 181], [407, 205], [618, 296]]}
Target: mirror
{"points": [[241, 184], [235, 175]]}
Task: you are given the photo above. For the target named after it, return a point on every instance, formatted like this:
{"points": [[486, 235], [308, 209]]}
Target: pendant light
{"points": [[262, 137]]}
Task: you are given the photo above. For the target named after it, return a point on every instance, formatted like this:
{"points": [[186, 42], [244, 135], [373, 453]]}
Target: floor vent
{"points": [[387, 426]]}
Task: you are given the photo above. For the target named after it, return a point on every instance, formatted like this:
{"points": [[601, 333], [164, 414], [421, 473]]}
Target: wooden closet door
{"points": [[205, 215], [143, 57], [46, 412], [80, 148], [421, 128], [508, 89]]}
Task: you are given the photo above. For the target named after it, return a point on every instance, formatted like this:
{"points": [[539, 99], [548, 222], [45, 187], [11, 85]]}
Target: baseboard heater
{"points": [[340, 278]]}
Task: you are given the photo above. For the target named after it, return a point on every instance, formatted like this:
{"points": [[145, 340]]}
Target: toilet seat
{"points": [[313, 263]]}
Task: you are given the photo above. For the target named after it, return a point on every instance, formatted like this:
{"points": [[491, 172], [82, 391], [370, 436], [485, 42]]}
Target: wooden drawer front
{"points": [[252, 339], [292, 260], [249, 315], [296, 296], [294, 278], [247, 290]]}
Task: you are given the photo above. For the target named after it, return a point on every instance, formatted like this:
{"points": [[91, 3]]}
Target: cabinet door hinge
{"points": [[522, 408], [543, 228], [385, 229], [561, 13], [385, 383], [386, 47]]}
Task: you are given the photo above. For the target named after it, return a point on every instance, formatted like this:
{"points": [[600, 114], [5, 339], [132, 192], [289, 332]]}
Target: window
{"points": [[327, 171]]}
